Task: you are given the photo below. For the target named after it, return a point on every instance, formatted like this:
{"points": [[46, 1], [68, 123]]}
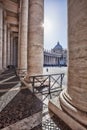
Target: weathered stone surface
{"points": [[77, 35], [15, 51], [1, 36], [8, 46], [76, 94], [22, 63], [11, 49], [54, 105], [5, 46], [35, 43], [74, 100]]}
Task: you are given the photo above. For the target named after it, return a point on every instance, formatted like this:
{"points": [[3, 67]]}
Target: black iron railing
{"points": [[46, 84]]}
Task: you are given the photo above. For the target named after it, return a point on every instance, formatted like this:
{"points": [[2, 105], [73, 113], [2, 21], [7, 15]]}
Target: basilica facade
{"points": [[56, 57]]}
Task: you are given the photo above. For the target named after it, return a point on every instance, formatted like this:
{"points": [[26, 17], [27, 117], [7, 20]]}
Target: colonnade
{"points": [[21, 45], [6, 42], [51, 60], [21, 36], [55, 59]]}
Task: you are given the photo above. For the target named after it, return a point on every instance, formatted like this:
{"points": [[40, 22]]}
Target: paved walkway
{"points": [[20, 109]]}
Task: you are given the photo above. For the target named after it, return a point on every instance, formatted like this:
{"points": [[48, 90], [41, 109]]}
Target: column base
{"points": [[2, 70], [55, 107], [21, 72], [26, 79]]}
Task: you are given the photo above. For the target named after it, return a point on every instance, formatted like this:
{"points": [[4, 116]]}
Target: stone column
{"points": [[22, 63], [74, 100], [58, 61], [5, 46], [35, 44], [1, 36], [55, 60], [47, 60], [19, 32], [8, 45], [15, 51], [44, 59], [11, 49], [50, 60]]}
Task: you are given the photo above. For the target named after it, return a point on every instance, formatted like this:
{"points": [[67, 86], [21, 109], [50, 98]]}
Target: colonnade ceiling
{"points": [[11, 13]]}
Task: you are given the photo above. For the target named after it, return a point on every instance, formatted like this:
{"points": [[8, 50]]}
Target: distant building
{"points": [[56, 57]]}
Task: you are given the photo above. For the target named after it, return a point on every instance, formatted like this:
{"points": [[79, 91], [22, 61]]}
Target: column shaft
{"points": [[35, 44], [11, 49], [71, 105], [19, 32], [8, 48], [5, 46], [1, 36], [74, 100], [22, 66], [15, 51]]}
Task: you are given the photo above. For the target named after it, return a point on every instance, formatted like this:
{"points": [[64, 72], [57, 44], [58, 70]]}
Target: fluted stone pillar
{"points": [[35, 44], [11, 49], [22, 61], [5, 46], [1, 36], [19, 32], [15, 51], [44, 59], [77, 38], [74, 100], [47, 60], [52, 60], [8, 47]]}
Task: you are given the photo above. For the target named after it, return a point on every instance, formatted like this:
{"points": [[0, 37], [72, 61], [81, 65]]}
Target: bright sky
{"points": [[55, 23]]}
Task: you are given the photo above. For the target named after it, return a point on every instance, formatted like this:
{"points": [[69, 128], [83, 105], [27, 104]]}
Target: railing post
{"points": [[49, 84], [61, 81]]}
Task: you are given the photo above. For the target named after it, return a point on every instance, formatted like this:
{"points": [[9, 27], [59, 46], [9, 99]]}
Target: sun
{"points": [[47, 25]]}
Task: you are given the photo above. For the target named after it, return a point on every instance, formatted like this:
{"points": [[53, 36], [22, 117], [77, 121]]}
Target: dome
{"points": [[58, 47]]}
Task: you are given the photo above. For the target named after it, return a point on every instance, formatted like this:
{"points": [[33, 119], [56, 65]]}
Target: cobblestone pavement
{"points": [[25, 110]]}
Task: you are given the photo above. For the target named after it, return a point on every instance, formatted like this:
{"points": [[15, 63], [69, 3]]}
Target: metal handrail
{"points": [[46, 75], [41, 80]]}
